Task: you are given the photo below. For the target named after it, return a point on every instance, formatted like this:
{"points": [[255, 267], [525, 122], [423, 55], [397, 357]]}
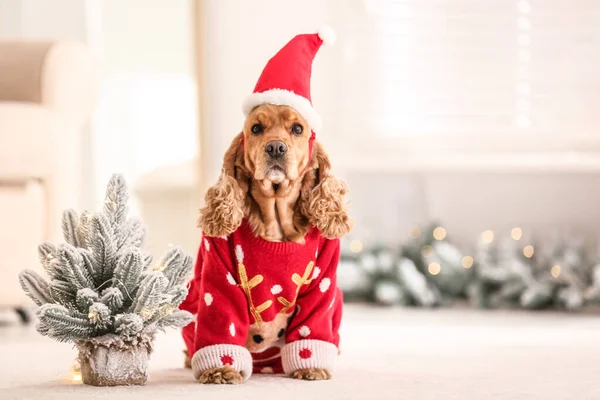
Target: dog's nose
{"points": [[275, 148]]}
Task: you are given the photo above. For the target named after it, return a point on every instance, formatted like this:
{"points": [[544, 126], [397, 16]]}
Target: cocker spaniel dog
{"points": [[264, 289]]}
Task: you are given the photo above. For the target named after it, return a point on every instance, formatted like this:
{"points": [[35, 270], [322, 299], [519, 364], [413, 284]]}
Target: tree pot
{"points": [[109, 361]]}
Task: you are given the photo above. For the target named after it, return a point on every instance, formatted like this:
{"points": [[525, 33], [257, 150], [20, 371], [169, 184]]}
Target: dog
{"points": [[264, 289], [276, 185]]}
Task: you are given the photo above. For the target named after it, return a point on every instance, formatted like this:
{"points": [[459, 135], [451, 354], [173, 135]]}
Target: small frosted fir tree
{"points": [[103, 295]]}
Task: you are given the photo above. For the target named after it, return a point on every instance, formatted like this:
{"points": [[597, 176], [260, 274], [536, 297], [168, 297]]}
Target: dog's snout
{"points": [[276, 149]]}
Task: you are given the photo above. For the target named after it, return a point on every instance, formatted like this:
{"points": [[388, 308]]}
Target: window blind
{"points": [[475, 67]]}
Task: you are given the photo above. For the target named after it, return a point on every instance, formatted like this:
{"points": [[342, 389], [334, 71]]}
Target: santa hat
{"points": [[285, 81]]}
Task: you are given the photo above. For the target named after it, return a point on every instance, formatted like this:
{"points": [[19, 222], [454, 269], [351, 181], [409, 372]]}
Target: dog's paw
{"points": [[221, 375], [312, 374]]}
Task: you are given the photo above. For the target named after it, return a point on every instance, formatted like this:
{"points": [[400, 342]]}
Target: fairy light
{"points": [[159, 267], [555, 271], [93, 315], [488, 236], [434, 268], [427, 251], [76, 372], [516, 233], [467, 262], [169, 310], [415, 232], [170, 244], [49, 256], [528, 251], [439, 233], [356, 246]]}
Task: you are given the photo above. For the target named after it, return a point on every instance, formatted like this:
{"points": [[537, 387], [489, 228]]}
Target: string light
{"points": [[467, 262], [76, 372], [49, 256], [434, 268], [170, 244], [427, 251], [169, 310], [415, 232], [439, 233], [528, 251], [516, 233], [159, 267], [555, 271], [356, 246], [488, 236], [93, 316]]}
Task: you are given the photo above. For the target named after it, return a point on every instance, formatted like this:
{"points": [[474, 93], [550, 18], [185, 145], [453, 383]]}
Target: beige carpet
{"points": [[387, 354]]}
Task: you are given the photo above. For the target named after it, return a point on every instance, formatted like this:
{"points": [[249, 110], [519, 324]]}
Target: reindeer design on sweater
{"points": [[262, 333]]}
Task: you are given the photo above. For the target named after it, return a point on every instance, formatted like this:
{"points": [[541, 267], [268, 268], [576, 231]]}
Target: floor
{"points": [[387, 354]]}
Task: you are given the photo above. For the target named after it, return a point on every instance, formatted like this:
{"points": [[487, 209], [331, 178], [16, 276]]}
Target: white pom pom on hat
{"points": [[327, 35]]}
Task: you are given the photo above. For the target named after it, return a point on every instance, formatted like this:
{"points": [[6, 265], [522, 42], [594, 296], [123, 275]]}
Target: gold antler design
{"points": [[247, 286], [299, 281]]}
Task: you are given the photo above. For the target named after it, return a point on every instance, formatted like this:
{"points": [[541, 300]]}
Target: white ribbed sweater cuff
{"points": [[308, 353], [220, 354]]}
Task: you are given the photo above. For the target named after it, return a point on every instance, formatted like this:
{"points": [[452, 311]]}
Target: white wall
{"points": [[387, 205], [147, 116]]}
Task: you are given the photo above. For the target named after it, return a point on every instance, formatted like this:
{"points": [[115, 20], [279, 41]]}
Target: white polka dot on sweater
{"points": [[239, 253], [317, 253], [231, 279], [316, 272], [223, 237], [324, 285], [232, 329], [304, 331], [207, 245], [276, 289], [208, 299]]}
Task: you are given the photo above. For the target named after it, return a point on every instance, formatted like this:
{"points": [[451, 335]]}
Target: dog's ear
{"points": [[322, 200], [223, 210]]}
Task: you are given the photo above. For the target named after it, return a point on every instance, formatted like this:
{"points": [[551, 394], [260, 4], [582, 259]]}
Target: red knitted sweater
{"points": [[250, 295]]}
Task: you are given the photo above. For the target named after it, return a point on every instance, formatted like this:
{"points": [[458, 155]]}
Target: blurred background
{"points": [[478, 118]]}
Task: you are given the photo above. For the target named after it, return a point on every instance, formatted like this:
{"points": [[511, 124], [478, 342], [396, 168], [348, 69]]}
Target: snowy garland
{"points": [[429, 271]]}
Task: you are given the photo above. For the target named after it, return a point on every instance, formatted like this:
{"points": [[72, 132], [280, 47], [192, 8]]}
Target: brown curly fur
{"points": [[314, 198], [322, 198], [221, 375], [224, 202], [312, 374]]}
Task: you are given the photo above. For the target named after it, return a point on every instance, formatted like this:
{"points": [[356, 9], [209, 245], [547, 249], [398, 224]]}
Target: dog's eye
{"points": [[297, 129], [257, 128]]}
